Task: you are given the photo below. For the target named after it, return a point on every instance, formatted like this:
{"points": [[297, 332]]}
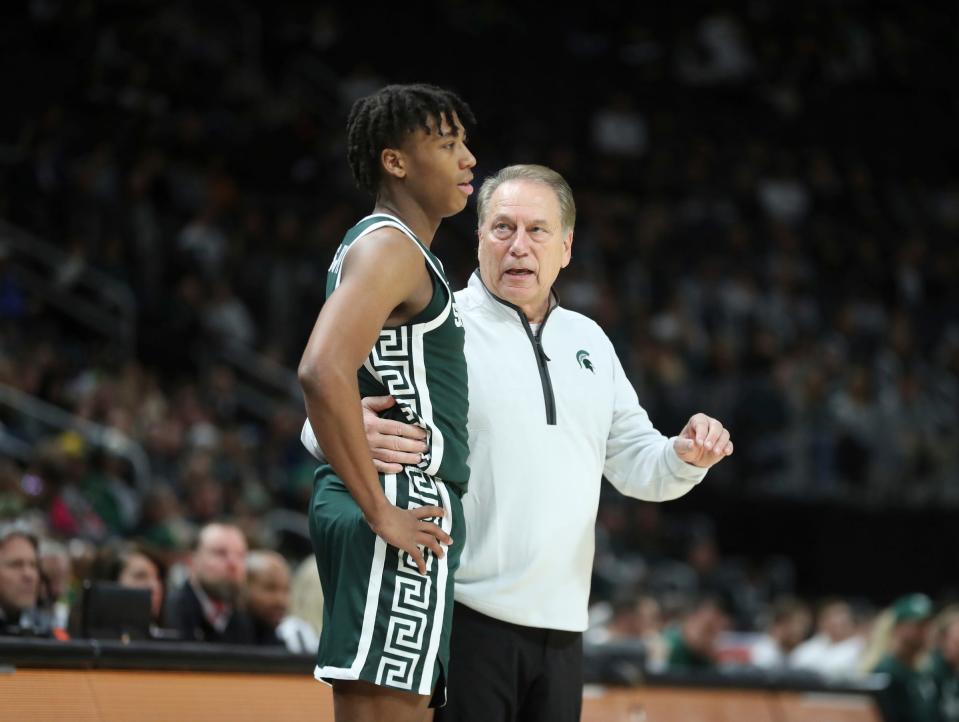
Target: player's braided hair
{"points": [[381, 120]]}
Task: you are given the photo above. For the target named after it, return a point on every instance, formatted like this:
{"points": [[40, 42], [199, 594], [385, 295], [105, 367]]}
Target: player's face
{"points": [[439, 167], [522, 245]]}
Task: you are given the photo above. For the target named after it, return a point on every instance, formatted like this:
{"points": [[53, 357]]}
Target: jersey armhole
{"points": [[423, 315]]}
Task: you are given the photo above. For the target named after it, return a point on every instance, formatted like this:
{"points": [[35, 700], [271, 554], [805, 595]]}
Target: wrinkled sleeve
{"points": [[640, 461]]}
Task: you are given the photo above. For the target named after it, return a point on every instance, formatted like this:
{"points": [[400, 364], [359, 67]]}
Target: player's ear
{"points": [[393, 162]]}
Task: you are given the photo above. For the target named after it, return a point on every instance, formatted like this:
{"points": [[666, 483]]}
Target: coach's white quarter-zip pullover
{"points": [[550, 414]]}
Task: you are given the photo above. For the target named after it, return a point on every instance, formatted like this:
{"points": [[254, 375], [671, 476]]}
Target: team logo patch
{"points": [[582, 358]]}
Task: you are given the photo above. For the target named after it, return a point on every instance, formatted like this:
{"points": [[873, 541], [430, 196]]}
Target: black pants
{"points": [[502, 672]]}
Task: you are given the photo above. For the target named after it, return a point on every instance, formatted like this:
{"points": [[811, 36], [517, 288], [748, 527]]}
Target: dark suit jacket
{"points": [[265, 635], [185, 614]]}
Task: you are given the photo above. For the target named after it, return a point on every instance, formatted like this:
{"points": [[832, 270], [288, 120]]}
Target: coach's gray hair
{"points": [[537, 174]]}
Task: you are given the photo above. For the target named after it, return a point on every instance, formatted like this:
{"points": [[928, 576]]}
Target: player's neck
{"points": [[411, 213]]}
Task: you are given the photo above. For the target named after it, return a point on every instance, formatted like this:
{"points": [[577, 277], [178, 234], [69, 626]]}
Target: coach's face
{"points": [[522, 245]]}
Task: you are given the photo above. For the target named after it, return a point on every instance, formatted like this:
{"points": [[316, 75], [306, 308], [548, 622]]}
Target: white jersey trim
{"points": [[439, 614]]}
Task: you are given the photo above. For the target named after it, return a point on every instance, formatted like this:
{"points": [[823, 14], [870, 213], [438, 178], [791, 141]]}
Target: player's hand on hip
{"points": [[703, 441], [392, 443], [407, 530]]}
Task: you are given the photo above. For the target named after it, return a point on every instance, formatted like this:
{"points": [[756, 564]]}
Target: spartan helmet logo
{"points": [[582, 358]]}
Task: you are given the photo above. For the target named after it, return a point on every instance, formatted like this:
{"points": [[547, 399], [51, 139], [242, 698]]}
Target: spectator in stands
{"points": [[164, 525], [71, 511], [618, 621], [206, 608], [911, 694], [56, 574], [267, 595], [835, 650], [306, 594], [83, 554], [268, 601], [130, 565], [944, 665], [650, 622], [692, 645], [718, 575], [13, 495], [20, 584], [789, 625], [227, 319], [632, 618]]}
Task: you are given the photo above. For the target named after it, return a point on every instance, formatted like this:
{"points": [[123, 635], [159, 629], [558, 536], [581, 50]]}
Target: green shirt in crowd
{"points": [[681, 655], [910, 696], [946, 680]]}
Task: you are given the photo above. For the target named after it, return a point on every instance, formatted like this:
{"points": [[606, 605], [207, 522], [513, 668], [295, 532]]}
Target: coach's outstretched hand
{"points": [[703, 442]]}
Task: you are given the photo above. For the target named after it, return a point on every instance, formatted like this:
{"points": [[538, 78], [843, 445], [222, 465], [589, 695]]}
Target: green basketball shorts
{"points": [[384, 622]]}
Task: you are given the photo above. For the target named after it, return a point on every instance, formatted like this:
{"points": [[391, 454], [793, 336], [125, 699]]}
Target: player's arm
{"points": [[380, 276]]}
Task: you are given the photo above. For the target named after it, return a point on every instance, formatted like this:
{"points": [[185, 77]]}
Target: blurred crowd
{"points": [[767, 224], [218, 592], [915, 647], [764, 230], [221, 592]]}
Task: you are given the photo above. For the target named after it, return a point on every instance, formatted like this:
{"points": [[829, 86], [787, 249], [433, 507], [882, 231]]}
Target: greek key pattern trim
{"points": [[412, 595]]}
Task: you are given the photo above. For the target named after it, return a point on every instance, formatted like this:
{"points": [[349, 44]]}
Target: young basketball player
{"points": [[387, 545]]}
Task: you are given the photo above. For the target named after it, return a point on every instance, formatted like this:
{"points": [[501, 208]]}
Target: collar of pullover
{"points": [[498, 305]]}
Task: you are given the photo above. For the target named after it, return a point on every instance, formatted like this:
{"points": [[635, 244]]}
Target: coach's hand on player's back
{"points": [[703, 441], [392, 443], [407, 530]]}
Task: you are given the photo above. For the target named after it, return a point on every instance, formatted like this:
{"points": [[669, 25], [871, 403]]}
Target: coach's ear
{"points": [[393, 162], [567, 249]]}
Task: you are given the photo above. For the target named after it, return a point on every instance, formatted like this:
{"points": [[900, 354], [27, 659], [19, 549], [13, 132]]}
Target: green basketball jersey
{"points": [[420, 364]]}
